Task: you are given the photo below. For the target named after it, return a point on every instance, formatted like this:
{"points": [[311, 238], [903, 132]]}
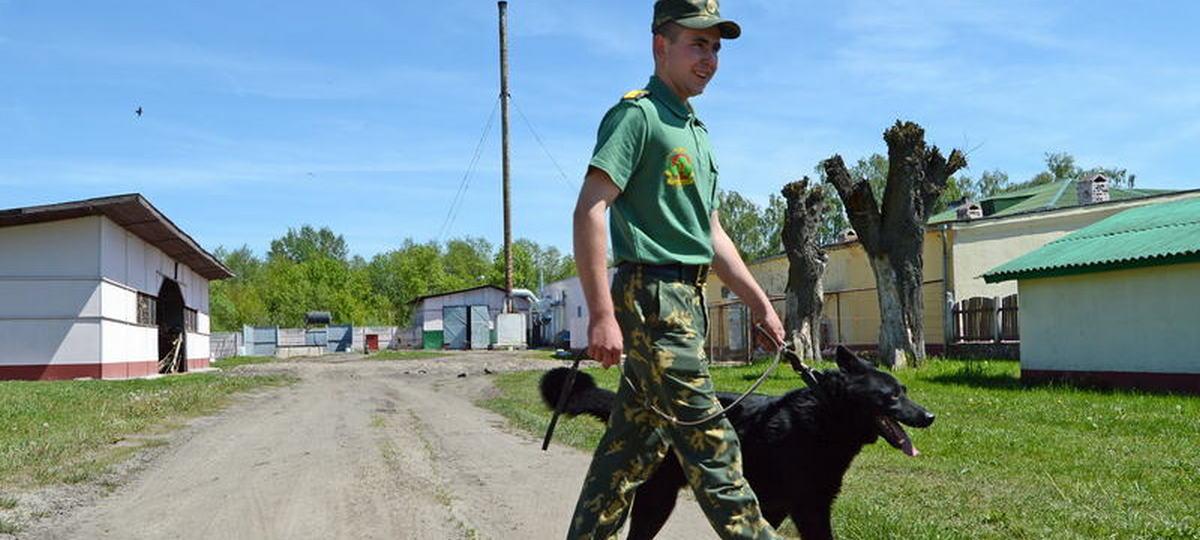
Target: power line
{"points": [[537, 138], [460, 195]]}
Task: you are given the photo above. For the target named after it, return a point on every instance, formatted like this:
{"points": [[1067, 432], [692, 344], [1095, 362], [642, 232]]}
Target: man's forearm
{"points": [[591, 259], [734, 273]]}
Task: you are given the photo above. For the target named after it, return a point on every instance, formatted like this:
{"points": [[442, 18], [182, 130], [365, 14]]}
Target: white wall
{"points": [[1141, 320], [133, 265], [129, 260], [68, 248], [68, 294], [572, 313], [50, 303]]}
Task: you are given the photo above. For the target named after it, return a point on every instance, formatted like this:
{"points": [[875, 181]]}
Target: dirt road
{"points": [[356, 449]]}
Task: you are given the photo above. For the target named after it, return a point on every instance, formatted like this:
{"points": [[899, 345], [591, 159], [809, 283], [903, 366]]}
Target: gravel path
{"points": [[356, 449]]}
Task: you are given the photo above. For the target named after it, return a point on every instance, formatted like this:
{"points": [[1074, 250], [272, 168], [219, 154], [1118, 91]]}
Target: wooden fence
{"points": [[983, 319]]}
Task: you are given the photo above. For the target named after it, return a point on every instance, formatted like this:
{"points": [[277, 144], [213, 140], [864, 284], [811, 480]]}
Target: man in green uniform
{"points": [[654, 169]]}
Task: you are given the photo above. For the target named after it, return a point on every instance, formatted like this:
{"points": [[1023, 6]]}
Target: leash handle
{"points": [[562, 401]]}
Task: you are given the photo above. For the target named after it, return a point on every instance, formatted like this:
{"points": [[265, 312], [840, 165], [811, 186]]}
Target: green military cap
{"points": [[697, 14]]}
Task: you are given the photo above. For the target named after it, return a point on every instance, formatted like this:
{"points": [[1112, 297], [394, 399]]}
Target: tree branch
{"points": [[861, 208]]}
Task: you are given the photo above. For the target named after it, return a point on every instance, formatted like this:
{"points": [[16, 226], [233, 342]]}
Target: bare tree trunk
{"points": [[892, 232], [895, 341], [807, 260]]}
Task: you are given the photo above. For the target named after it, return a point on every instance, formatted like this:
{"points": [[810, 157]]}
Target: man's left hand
{"points": [[768, 322]]}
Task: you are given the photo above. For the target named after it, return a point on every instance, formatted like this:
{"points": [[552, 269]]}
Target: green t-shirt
{"points": [[656, 151]]}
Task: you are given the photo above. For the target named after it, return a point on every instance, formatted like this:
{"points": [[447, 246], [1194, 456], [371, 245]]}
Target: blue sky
{"points": [[364, 116]]}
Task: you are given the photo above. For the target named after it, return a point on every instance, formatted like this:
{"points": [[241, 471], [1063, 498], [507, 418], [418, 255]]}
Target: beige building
{"points": [[960, 245], [1115, 303]]}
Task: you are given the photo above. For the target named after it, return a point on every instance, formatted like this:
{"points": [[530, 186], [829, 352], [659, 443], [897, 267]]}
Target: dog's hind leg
{"points": [[655, 500], [813, 521]]}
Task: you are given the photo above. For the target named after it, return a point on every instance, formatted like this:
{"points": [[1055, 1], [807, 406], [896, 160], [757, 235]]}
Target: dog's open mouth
{"points": [[895, 435]]}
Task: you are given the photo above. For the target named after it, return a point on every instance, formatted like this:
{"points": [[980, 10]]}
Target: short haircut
{"points": [[669, 30]]}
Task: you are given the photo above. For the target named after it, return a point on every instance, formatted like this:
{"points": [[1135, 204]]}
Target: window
{"points": [[147, 309], [189, 320]]}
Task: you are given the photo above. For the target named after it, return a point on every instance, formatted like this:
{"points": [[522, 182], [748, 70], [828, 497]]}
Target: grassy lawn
{"points": [[405, 355], [1001, 461], [235, 361], [70, 431]]}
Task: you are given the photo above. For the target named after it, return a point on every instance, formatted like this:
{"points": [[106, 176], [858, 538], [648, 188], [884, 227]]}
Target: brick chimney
{"points": [[969, 210], [1092, 189]]}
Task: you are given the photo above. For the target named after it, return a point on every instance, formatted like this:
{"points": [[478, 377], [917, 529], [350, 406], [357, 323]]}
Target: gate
{"points": [[262, 340], [454, 326], [481, 334], [981, 319], [339, 338], [316, 337]]}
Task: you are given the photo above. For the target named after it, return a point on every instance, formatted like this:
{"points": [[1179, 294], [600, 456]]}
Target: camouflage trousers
{"points": [[664, 326]]}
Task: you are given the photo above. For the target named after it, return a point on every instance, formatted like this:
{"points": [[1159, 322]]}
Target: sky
{"points": [[370, 117]]}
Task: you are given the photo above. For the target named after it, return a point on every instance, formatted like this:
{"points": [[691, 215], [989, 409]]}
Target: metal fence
{"points": [[267, 340], [731, 329], [984, 319], [225, 344]]}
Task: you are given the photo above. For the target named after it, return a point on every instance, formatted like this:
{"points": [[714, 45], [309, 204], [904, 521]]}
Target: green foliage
{"points": [[1002, 460], [1061, 166], [308, 269], [235, 361], [744, 222], [308, 243]]}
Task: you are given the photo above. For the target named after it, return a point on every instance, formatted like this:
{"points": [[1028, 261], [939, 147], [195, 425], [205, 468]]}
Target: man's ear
{"points": [[658, 45], [850, 363]]}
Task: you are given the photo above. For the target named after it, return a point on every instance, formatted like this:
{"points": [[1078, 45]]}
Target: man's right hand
{"points": [[604, 340]]}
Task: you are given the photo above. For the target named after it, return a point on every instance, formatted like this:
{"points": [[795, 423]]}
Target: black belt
{"points": [[696, 274]]}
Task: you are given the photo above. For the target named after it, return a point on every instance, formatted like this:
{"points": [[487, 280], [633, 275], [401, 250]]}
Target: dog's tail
{"points": [[585, 398]]}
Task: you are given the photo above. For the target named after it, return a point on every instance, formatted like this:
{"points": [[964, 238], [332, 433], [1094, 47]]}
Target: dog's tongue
{"points": [[895, 436]]}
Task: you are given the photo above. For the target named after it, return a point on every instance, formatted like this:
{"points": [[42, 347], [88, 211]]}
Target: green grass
{"points": [[1001, 461], [8, 503], [68, 431], [405, 355], [8, 528], [235, 361]]}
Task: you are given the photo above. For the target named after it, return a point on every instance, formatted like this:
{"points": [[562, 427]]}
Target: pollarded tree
{"points": [[892, 232], [806, 264]]}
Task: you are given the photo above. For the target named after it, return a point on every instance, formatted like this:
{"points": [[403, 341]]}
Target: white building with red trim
{"points": [[101, 288]]}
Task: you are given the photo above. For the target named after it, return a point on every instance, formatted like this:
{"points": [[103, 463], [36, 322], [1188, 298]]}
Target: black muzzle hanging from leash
{"points": [[563, 395]]}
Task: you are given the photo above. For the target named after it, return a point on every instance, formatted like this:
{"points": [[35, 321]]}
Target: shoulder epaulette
{"points": [[636, 94]]}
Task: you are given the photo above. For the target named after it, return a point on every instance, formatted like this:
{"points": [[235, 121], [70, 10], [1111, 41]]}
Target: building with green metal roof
{"points": [[1116, 303], [960, 246]]}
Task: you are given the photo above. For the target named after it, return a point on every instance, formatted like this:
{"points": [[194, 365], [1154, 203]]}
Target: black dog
{"points": [[795, 447]]}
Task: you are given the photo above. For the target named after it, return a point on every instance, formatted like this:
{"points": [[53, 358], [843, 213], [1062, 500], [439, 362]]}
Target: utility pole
{"points": [[508, 264]]}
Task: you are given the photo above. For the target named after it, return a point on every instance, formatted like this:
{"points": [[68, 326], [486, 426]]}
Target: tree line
{"points": [[311, 269]]}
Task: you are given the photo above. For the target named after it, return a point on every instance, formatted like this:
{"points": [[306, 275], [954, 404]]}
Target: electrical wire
{"points": [[571, 185], [464, 184]]}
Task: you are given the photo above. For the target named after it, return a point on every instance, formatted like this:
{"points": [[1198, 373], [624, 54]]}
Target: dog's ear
{"points": [[850, 362]]}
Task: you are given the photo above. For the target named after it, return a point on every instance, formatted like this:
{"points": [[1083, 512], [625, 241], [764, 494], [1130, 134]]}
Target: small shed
{"points": [[462, 319], [1114, 304], [102, 288]]}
